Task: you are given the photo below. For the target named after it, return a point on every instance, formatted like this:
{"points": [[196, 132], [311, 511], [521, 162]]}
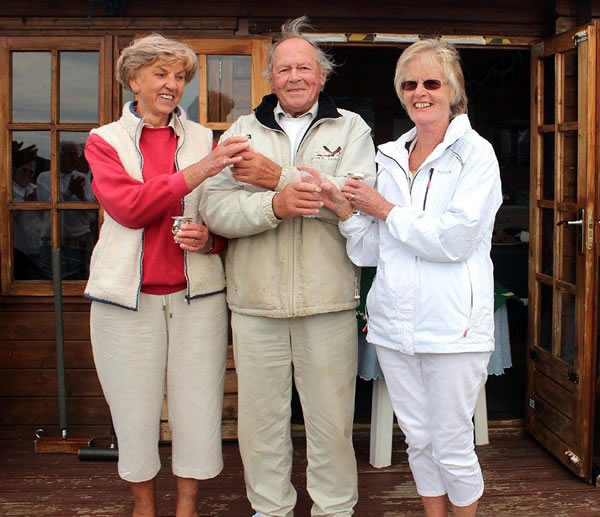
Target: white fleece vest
{"points": [[116, 264]]}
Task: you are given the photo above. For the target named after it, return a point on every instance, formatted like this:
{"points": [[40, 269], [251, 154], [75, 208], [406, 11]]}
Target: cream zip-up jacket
{"points": [[297, 266], [116, 264], [434, 288]]}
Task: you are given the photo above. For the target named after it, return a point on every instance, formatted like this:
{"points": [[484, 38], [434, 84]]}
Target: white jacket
{"points": [[433, 292]]}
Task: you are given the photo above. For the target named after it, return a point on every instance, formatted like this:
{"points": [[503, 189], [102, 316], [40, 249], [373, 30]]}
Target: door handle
{"points": [[579, 224]]}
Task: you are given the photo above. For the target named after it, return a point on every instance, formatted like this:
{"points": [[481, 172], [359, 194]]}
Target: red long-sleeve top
{"points": [[150, 204]]}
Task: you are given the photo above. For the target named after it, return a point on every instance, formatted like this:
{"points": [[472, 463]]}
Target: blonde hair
{"points": [[149, 49], [447, 58], [294, 29]]}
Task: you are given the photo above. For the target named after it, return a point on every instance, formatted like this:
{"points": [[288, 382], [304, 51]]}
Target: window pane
{"points": [[31, 80], [568, 342], [547, 250], [189, 101], [569, 173], [548, 165], [546, 317], [79, 86], [78, 235], [569, 244], [549, 74], [31, 245], [570, 102], [30, 157], [228, 87], [126, 96], [74, 172]]}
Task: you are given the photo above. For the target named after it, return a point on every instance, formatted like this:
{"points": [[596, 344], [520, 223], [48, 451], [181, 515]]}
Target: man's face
{"points": [[297, 77]]}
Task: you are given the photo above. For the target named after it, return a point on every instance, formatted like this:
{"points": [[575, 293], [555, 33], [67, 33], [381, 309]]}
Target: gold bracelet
{"points": [[346, 217]]}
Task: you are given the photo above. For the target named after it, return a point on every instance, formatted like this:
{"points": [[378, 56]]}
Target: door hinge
{"points": [[573, 458], [580, 36], [573, 377], [531, 403]]}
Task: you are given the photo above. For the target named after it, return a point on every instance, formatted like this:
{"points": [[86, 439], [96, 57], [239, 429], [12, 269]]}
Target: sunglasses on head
{"points": [[428, 84]]}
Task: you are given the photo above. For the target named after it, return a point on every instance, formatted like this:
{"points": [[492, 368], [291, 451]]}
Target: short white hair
{"points": [[294, 29]]}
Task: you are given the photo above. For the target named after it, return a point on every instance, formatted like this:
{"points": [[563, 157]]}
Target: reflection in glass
{"points": [[126, 96], [31, 80], [547, 250], [79, 86], [31, 245], [568, 341], [570, 85], [190, 100], [549, 87], [78, 235], [228, 87], [546, 317], [30, 156], [569, 172], [569, 246], [548, 165], [74, 172]]}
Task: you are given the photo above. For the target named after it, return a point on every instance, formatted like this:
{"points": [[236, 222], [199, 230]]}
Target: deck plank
{"points": [[521, 479]]}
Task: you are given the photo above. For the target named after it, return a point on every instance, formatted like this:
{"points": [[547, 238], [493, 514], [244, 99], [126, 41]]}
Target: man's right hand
{"points": [[222, 156], [299, 198]]}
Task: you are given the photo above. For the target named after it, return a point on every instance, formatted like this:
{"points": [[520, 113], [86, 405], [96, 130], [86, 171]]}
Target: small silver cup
{"points": [[178, 222]]}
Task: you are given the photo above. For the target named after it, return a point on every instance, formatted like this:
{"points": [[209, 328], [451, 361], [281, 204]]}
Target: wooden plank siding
{"points": [[27, 346], [28, 383]]}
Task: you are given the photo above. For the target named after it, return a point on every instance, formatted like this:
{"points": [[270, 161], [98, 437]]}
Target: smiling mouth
{"points": [[166, 96], [422, 104]]}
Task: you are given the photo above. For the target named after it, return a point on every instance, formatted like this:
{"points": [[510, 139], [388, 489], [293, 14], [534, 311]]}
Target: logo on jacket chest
{"points": [[326, 153]]}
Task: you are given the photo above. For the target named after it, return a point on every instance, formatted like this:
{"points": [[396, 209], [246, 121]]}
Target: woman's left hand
{"points": [[194, 238]]}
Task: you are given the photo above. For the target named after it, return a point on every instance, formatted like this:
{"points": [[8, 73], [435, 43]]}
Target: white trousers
{"points": [[135, 351], [434, 396], [321, 353]]}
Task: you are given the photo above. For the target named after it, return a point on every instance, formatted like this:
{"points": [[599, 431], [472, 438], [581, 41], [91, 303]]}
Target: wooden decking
{"points": [[521, 480]]}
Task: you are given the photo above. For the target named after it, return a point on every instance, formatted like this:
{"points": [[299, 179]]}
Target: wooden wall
{"points": [[28, 383], [501, 17], [27, 345]]}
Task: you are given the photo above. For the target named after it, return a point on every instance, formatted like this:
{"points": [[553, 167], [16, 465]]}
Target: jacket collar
{"points": [[398, 149], [132, 119], [265, 115]]}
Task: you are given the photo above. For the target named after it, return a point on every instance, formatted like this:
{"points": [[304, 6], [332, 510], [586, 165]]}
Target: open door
{"points": [[562, 268]]}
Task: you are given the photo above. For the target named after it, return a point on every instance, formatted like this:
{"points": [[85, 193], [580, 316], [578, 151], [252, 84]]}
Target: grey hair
{"points": [[447, 58], [295, 29], [148, 49]]}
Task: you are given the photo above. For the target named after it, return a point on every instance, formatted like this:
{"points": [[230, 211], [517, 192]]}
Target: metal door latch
{"points": [[573, 458]]}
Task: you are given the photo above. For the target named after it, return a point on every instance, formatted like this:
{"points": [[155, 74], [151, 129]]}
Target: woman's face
{"points": [[426, 107], [159, 88]]}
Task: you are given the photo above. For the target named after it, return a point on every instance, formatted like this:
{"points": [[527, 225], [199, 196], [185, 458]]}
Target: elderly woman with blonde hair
{"points": [[158, 310], [427, 226]]}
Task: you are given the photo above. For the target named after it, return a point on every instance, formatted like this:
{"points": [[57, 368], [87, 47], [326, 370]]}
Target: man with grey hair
{"points": [[290, 286]]}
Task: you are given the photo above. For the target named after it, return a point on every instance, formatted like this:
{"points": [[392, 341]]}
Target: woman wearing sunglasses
{"points": [[427, 226]]}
